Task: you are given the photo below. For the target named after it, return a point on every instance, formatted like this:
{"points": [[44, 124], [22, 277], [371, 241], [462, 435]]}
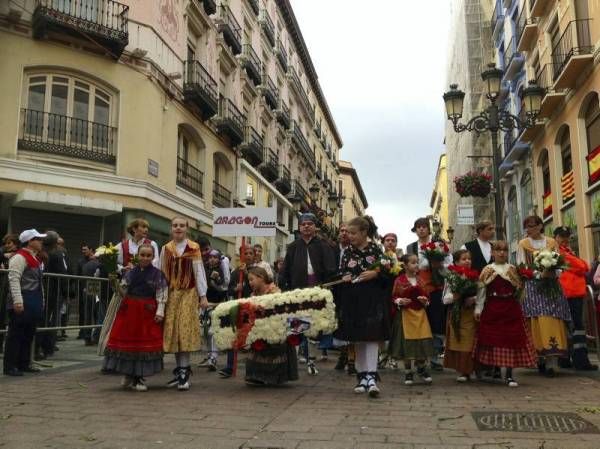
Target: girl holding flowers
{"points": [[411, 339], [134, 346], [544, 305], [460, 293], [274, 364], [502, 337]]}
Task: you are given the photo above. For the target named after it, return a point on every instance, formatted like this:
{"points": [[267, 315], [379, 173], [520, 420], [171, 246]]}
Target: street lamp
{"points": [[494, 119], [333, 202], [314, 193], [450, 233], [436, 227]]}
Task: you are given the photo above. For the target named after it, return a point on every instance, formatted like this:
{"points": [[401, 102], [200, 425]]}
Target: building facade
{"points": [[470, 50], [113, 110], [439, 198], [354, 202], [561, 43]]}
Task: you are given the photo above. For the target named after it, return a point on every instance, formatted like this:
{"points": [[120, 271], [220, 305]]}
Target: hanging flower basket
{"points": [[473, 184]]}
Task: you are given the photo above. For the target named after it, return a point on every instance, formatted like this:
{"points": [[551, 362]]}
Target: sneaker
{"points": [[361, 386], [409, 379], [351, 369], [225, 373], [462, 379], [423, 374], [372, 388], [204, 363], [393, 364], [173, 382], [212, 364], [511, 382], [302, 360], [382, 362], [126, 381], [183, 380], [139, 385], [254, 383], [312, 369]]}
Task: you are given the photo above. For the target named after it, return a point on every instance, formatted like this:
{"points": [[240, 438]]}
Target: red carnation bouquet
{"points": [[435, 253], [463, 282], [526, 272]]}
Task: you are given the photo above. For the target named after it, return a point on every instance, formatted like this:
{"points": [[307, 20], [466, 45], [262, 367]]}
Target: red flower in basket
{"points": [[259, 345], [293, 339]]}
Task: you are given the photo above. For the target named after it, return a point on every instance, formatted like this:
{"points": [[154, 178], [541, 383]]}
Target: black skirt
{"points": [[363, 311]]}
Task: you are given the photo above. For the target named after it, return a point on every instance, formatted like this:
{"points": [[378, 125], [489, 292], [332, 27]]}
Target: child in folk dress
{"points": [[460, 325], [503, 338], [412, 339], [135, 343]]}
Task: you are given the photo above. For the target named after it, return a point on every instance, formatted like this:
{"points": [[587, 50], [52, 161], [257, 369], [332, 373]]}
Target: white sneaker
{"points": [[183, 379], [312, 369], [212, 364], [126, 381], [302, 360], [204, 363], [372, 387], [361, 387], [139, 385], [511, 382], [462, 379]]}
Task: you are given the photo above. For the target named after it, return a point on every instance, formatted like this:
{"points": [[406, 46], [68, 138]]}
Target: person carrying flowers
{"points": [[460, 293], [411, 338], [273, 364], [544, 305], [502, 338]]}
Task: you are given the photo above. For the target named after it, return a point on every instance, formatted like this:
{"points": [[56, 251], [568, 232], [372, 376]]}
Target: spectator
{"points": [[65, 306], [10, 245], [88, 297], [481, 248], [87, 253], [259, 262], [205, 249], [128, 248]]}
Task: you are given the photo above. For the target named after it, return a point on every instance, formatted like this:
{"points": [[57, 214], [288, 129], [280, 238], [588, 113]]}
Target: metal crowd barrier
{"points": [[591, 321]]}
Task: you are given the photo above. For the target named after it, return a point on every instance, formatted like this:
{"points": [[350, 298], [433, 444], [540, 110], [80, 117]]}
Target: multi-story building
{"points": [[470, 50], [561, 41], [354, 201], [113, 110], [439, 197]]}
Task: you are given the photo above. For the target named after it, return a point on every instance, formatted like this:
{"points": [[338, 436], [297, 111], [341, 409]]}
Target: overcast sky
{"points": [[382, 67]]}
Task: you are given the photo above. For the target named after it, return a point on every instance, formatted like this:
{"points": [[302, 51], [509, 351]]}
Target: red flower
{"points": [[468, 273], [259, 345], [293, 339], [525, 272]]}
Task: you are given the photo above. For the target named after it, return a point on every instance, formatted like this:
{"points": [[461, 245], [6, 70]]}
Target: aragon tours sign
{"points": [[244, 221]]}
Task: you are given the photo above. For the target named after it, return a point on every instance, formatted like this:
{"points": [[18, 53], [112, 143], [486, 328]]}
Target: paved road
{"points": [[72, 405]]}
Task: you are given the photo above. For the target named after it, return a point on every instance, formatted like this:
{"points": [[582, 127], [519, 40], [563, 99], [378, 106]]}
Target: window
{"points": [[592, 125], [565, 152], [249, 192], [526, 194]]}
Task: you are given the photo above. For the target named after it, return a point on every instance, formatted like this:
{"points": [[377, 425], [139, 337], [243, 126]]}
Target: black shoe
{"points": [[183, 380], [550, 372], [39, 356], [588, 367], [254, 383], [13, 372], [436, 366], [31, 369], [225, 373], [541, 366], [341, 363], [351, 369], [173, 382], [497, 374]]}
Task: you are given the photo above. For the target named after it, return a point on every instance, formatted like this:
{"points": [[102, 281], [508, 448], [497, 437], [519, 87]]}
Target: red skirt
{"points": [[134, 329]]}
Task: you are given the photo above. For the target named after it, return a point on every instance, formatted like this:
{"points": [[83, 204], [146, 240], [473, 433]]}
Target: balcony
{"points": [[270, 167], [527, 29], [302, 144], [537, 8], [284, 180], [251, 63], [210, 6], [269, 91], [230, 121], [297, 86], [104, 21], [319, 173], [267, 26], [200, 89], [281, 55], [529, 134], [553, 97], [572, 54], [513, 60], [282, 114], [317, 129], [60, 135], [497, 21], [232, 32], [254, 6], [189, 177], [252, 147], [298, 192], [221, 195]]}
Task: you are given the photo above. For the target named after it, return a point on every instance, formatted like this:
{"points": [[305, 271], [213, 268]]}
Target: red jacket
{"points": [[572, 280]]}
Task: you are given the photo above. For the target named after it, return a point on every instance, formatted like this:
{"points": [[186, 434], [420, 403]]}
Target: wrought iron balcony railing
{"points": [[229, 26], [269, 91], [302, 144], [254, 6], [282, 114], [575, 40], [221, 195], [281, 55], [270, 166], [284, 180], [200, 88], [267, 25], [251, 62], [104, 20], [497, 17], [49, 133], [299, 192], [189, 177], [252, 146], [210, 6], [297, 85], [230, 121]]}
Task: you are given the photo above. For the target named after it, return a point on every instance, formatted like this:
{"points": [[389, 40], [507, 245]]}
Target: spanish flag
{"points": [[547, 203], [567, 184], [593, 160]]}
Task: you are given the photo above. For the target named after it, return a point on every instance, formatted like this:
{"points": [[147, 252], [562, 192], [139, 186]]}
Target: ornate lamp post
{"points": [[494, 119], [314, 193], [450, 233]]}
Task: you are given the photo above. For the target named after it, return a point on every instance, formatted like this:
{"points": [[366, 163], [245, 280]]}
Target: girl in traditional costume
{"points": [[461, 325], [547, 311], [128, 247], [276, 363], [502, 337], [181, 262], [412, 340], [362, 302], [135, 343]]}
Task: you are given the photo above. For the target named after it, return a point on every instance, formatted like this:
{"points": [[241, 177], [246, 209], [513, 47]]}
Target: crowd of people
{"points": [[418, 315]]}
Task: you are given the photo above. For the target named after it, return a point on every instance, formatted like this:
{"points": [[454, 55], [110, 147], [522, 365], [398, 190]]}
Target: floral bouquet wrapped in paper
{"points": [[461, 281], [273, 319], [107, 256], [546, 264], [387, 264], [435, 253]]}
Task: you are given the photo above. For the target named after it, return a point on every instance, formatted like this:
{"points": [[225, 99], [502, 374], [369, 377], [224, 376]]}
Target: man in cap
{"points": [[25, 303], [573, 283], [309, 261]]}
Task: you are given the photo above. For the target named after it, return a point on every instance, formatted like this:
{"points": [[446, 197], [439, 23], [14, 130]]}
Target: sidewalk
{"points": [[74, 406]]}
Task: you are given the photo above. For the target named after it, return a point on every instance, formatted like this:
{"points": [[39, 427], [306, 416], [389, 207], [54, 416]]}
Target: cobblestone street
{"points": [[74, 406]]}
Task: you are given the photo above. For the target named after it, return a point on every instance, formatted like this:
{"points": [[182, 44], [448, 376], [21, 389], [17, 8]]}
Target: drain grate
{"points": [[544, 422]]}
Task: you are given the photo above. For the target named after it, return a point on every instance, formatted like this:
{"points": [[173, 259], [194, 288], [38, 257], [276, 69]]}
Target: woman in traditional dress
{"points": [[547, 311], [460, 325], [276, 363], [181, 262], [135, 343], [363, 303], [128, 248], [502, 338]]}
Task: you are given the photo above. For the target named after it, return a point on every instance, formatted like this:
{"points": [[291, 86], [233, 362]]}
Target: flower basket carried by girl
{"points": [[473, 184]]}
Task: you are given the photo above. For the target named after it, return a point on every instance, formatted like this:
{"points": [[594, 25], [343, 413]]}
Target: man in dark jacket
{"points": [[481, 248], [309, 261]]}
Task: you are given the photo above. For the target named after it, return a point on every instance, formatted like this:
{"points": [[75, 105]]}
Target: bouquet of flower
{"points": [[473, 184], [435, 253], [388, 263], [463, 282], [525, 272], [107, 256], [546, 263]]}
